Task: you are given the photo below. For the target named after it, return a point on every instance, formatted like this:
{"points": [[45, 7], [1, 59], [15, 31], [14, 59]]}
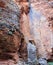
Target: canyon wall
{"points": [[42, 25], [37, 24], [35, 21]]}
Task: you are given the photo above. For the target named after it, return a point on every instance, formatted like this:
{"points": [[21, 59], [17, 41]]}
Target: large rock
{"points": [[42, 61], [40, 13], [40, 28], [32, 53], [12, 42]]}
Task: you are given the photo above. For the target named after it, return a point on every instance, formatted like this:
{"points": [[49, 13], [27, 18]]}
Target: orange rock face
{"points": [[24, 20]]}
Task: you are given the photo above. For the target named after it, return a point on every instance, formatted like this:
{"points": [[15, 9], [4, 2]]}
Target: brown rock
{"points": [[12, 42], [2, 4], [11, 45]]}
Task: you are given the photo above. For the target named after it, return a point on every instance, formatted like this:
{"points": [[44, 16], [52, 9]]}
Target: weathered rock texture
{"points": [[12, 42], [41, 26], [35, 20]]}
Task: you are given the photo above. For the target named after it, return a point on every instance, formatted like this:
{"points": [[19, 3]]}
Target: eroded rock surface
{"points": [[35, 20], [12, 42], [40, 13]]}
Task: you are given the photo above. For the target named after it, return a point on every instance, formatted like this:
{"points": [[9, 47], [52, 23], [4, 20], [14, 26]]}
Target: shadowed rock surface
{"points": [[12, 42]]}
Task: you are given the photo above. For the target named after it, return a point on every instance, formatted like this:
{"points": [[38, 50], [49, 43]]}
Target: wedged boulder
{"points": [[32, 53], [42, 61]]}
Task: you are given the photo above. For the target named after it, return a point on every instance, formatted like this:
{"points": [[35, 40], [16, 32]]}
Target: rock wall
{"points": [[42, 12], [12, 42], [34, 18], [37, 24]]}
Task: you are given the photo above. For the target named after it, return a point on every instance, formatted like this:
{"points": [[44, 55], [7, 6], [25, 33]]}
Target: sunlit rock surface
{"points": [[40, 12]]}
